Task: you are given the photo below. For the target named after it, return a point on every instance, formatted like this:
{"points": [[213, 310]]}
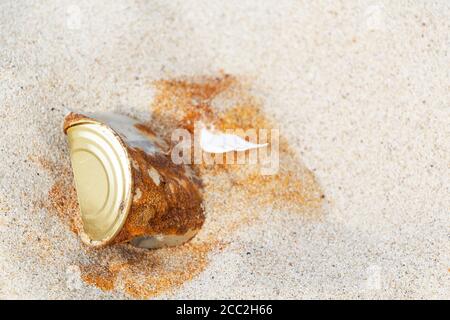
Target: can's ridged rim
{"points": [[103, 178]]}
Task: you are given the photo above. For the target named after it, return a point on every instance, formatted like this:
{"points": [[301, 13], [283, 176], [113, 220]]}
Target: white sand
{"points": [[362, 91]]}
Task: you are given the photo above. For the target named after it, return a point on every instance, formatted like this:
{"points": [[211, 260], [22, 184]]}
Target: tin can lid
{"points": [[103, 179]]}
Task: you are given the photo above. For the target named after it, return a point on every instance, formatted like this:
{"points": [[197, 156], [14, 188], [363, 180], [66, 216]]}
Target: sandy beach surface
{"points": [[360, 91]]}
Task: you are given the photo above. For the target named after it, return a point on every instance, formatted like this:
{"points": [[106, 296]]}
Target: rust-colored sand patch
{"points": [[179, 103], [64, 202], [62, 196], [146, 273], [3, 206]]}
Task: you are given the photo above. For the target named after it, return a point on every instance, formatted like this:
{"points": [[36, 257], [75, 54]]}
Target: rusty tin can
{"points": [[128, 188]]}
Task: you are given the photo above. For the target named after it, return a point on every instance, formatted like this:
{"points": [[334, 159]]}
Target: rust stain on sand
{"points": [[145, 273], [235, 196], [62, 197]]}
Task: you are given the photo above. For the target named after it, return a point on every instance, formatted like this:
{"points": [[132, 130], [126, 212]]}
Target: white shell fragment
{"points": [[224, 142]]}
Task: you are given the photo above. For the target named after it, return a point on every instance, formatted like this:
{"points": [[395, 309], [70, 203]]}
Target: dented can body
{"points": [[128, 188]]}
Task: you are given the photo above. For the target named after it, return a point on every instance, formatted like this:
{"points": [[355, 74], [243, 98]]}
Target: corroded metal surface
{"points": [[160, 205]]}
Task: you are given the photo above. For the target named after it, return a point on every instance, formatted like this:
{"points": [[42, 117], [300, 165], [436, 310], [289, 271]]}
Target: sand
{"points": [[360, 91]]}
